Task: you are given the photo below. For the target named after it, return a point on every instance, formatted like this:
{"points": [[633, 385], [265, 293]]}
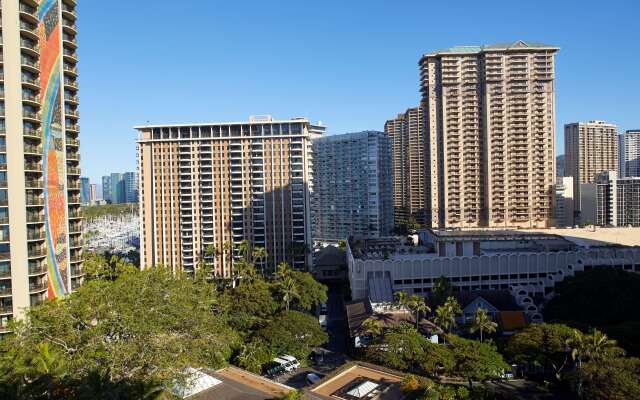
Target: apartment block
{"points": [[106, 188], [93, 193], [564, 202], [409, 172], [221, 183], [490, 135], [84, 190], [629, 153], [590, 148], [40, 214], [618, 200], [130, 182], [352, 186]]}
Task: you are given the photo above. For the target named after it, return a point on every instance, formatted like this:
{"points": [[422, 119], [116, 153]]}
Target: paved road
{"points": [[336, 321]]}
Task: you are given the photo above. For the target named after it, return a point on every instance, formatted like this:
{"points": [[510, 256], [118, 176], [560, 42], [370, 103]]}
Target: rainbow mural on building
{"points": [[54, 148]]}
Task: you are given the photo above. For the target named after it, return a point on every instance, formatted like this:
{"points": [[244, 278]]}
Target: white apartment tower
{"points": [[629, 153], [40, 215], [489, 115], [590, 148]]}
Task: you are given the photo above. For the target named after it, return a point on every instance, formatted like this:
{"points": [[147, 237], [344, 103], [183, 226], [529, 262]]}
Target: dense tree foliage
{"points": [[129, 334], [605, 298], [105, 210]]}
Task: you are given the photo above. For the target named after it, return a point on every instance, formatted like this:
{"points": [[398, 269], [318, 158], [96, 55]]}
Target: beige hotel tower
{"points": [[221, 183], [40, 216], [490, 135]]}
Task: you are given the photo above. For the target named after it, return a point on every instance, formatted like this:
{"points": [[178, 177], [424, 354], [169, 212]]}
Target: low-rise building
{"points": [[564, 202], [356, 381], [527, 263]]}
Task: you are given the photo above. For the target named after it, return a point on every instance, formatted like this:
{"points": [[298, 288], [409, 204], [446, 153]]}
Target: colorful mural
{"points": [[54, 151]]}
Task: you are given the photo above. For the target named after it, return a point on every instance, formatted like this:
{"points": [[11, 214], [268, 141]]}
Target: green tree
{"points": [[342, 244], [310, 292], [253, 355], [284, 271], [541, 346], [243, 248], [611, 379], [436, 360], [401, 299], [259, 254], [293, 332], [145, 326], [482, 323], [250, 305], [442, 290], [476, 361], [289, 291], [418, 306], [401, 347], [446, 314], [371, 327]]}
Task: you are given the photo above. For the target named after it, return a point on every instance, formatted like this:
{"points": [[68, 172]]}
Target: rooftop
{"points": [[237, 384], [359, 381], [517, 45], [253, 120]]}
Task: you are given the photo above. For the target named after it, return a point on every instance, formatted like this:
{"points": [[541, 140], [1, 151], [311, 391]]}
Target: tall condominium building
{"points": [[130, 187], [629, 153], [93, 193], [221, 183], [590, 148], [409, 175], [106, 188], [117, 188], [618, 200], [40, 215], [490, 135], [352, 186], [84, 190], [564, 202]]}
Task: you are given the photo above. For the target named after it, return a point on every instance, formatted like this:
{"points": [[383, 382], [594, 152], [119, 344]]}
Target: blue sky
{"points": [[349, 64]]}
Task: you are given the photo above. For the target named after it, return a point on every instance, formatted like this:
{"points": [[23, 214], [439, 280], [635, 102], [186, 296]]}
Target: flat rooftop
{"points": [[590, 237], [344, 380], [238, 384]]}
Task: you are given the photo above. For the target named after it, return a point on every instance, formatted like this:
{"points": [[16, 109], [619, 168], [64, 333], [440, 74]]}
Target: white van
{"points": [[291, 362]]}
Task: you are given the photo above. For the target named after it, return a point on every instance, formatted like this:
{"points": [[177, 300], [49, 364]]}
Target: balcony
{"points": [[68, 11], [33, 117], [35, 252], [73, 171], [29, 47], [71, 98], [5, 291], [72, 127], [37, 269], [69, 26], [73, 142], [69, 83], [37, 286], [72, 113], [34, 201], [34, 183], [70, 69], [29, 29], [29, 12], [35, 218], [29, 98], [33, 83], [6, 309], [70, 55]]}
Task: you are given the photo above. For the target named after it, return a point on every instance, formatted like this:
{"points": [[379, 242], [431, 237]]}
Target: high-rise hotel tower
{"points": [[40, 216], [222, 183], [490, 135]]}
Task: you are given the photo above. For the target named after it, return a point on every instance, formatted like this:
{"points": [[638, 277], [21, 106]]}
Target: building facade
{"points": [[618, 200], [221, 183], [93, 193], [130, 182], [40, 214], [629, 153], [352, 186], [117, 190], [590, 148], [84, 190], [106, 188], [409, 176], [490, 135], [564, 202]]}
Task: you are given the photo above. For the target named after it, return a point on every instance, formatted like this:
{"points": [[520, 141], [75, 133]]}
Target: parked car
{"points": [[313, 378], [291, 363]]}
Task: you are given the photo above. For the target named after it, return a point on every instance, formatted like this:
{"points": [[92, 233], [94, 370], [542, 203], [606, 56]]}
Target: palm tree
{"points": [[446, 314], [243, 249], [284, 271], [401, 299], [593, 347], [210, 251], [417, 305], [483, 323], [259, 254], [289, 291], [372, 327]]}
